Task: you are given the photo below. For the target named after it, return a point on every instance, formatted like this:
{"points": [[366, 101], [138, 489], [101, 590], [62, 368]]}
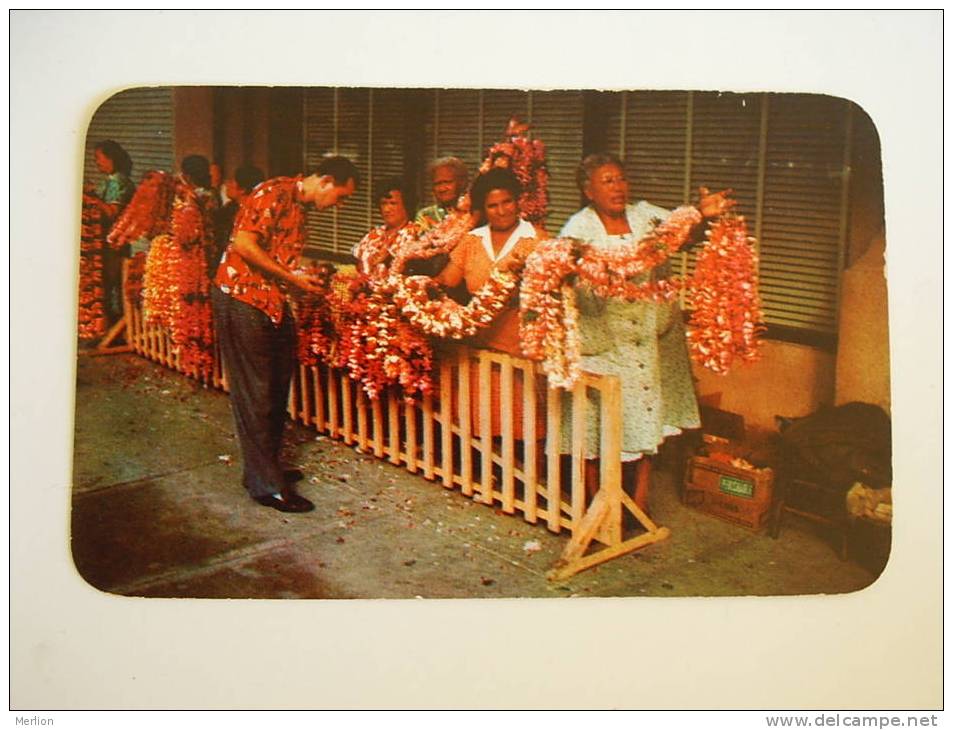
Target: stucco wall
{"points": [[863, 353], [788, 380]]}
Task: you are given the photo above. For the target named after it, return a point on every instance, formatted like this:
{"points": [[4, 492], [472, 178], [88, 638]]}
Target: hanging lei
{"points": [[527, 160], [91, 320], [378, 347], [725, 322], [413, 243], [148, 213], [548, 318], [726, 316], [377, 249], [134, 278], [175, 284], [317, 316], [442, 316]]}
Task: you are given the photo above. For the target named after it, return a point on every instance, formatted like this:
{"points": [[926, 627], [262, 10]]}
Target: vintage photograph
{"points": [[345, 344], [380, 342]]}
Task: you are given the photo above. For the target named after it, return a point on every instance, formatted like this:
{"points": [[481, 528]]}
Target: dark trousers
{"points": [[259, 359], [112, 282]]}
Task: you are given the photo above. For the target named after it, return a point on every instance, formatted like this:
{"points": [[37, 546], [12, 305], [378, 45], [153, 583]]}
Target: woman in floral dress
{"points": [[642, 342]]}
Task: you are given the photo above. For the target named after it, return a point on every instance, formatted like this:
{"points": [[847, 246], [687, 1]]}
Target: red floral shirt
{"points": [[274, 213]]}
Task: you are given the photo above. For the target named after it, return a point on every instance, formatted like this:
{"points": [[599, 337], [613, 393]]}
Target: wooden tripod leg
{"points": [[113, 333], [574, 558]]}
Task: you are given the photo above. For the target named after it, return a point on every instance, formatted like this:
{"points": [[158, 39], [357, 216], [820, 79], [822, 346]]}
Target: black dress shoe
{"points": [[292, 475], [285, 502]]}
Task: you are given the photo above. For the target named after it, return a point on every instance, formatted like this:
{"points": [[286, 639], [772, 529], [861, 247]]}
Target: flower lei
{"points": [[723, 291], [726, 310], [610, 272], [377, 249], [527, 159], [148, 213], [445, 318], [175, 283], [548, 319], [134, 277], [379, 347], [413, 243], [317, 317], [377, 325], [92, 320], [382, 330]]}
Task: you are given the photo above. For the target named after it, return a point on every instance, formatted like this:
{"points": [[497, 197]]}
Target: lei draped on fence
{"points": [[172, 279], [92, 316]]}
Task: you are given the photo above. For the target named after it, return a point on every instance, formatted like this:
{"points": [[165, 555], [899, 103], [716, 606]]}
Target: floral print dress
{"points": [[642, 343]]}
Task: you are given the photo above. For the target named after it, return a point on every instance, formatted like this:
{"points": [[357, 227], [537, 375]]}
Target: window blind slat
{"points": [[141, 121], [319, 141], [557, 120]]}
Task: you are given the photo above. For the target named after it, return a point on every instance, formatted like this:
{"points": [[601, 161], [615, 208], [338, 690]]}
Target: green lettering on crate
{"points": [[737, 487]]}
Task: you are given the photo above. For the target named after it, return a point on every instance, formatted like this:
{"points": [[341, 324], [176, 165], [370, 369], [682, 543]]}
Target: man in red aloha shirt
{"points": [[254, 324]]}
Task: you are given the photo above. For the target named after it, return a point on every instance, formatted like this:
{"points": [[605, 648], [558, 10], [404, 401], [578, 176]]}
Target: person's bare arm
{"points": [[246, 245], [451, 275]]}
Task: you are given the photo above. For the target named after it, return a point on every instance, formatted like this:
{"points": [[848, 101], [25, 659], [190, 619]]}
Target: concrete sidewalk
{"points": [[158, 510]]}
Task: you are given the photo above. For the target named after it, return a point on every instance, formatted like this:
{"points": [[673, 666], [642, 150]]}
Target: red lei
{"points": [[92, 318], [527, 159], [176, 284], [726, 316], [149, 213], [723, 292]]}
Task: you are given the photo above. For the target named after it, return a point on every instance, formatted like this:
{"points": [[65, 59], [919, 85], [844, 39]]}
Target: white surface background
{"points": [[73, 647]]}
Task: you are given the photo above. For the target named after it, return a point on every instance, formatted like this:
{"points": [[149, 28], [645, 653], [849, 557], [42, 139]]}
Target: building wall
{"points": [[193, 112], [788, 380], [863, 348]]}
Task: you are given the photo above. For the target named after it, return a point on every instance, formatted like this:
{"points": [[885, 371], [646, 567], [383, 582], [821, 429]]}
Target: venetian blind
{"points": [[367, 126], [456, 125], [784, 156], [804, 210], [354, 142], [650, 132], [319, 140], [725, 152], [141, 121], [499, 105], [556, 117]]}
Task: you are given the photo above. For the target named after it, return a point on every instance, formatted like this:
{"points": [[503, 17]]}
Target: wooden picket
{"points": [[447, 438]]}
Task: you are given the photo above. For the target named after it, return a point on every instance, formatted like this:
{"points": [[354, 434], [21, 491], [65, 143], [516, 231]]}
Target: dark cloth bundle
{"points": [[839, 445]]}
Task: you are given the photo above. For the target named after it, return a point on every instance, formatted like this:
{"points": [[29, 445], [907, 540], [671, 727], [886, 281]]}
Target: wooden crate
{"points": [[736, 494]]}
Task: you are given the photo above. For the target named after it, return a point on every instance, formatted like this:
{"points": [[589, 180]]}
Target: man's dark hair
{"points": [[121, 160], [341, 169], [195, 167], [499, 178], [592, 163], [384, 187], [247, 177]]}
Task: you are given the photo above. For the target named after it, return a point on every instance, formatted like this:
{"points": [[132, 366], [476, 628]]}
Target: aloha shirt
{"points": [[276, 215]]}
